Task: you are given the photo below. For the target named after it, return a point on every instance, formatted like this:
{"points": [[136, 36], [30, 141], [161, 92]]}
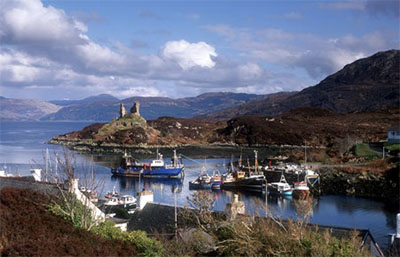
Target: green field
{"points": [[363, 150]]}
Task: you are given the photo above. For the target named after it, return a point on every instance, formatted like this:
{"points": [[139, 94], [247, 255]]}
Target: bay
{"points": [[22, 147]]}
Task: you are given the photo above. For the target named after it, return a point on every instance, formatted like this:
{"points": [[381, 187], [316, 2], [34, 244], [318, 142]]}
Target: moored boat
{"points": [[301, 190], [157, 167], [239, 181], [280, 188], [203, 181], [127, 202], [216, 181]]}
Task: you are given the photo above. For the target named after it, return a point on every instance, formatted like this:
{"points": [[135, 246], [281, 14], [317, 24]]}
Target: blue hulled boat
{"points": [[157, 167]]}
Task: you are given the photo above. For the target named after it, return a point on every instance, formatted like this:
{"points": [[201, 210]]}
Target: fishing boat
{"points": [[301, 190], [127, 202], [280, 188], [157, 167], [216, 181], [203, 181], [240, 180]]}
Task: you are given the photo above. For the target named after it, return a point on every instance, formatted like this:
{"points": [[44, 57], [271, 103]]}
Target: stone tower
{"points": [[135, 108], [122, 110]]}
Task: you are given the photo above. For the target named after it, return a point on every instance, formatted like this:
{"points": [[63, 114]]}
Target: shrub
{"points": [[72, 209], [139, 239], [121, 213]]}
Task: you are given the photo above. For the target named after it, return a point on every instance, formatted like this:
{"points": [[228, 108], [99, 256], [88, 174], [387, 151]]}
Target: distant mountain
{"points": [[367, 84], [25, 109], [154, 107], [91, 99]]}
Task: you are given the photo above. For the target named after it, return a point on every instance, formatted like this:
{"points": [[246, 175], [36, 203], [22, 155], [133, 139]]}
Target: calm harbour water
{"points": [[22, 148]]}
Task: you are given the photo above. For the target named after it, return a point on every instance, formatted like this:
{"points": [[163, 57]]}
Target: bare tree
{"points": [[62, 169]]}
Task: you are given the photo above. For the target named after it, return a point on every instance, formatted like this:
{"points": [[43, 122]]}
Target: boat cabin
{"points": [[157, 163]]}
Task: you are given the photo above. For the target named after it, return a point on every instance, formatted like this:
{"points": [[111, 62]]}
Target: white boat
{"points": [[301, 190], [123, 201], [280, 188]]}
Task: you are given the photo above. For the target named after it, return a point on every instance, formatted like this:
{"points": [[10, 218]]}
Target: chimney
{"points": [[234, 208], [36, 173], [145, 197]]}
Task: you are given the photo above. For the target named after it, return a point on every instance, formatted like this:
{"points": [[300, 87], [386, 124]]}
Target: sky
{"points": [[72, 49]]}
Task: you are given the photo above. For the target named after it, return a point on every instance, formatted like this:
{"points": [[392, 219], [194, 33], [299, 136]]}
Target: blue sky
{"points": [[74, 49]]}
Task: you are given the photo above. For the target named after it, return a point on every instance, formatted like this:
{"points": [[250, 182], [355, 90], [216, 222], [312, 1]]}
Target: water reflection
{"points": [[134, 184]]}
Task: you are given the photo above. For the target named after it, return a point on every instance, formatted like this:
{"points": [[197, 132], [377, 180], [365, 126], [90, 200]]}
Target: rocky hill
{"points": [[25, 109], [313, 126], [367, 84], [154, 107], [316, 127]]}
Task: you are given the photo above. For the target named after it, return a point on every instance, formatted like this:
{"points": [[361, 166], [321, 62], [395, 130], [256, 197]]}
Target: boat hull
{"points": [[148, 172], [198, 186], [275, 191], [216, 185], [246, 184], [113, 208]]}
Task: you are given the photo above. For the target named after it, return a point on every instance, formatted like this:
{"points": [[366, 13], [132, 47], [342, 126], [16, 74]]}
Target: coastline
{"points": [[350, 180]]}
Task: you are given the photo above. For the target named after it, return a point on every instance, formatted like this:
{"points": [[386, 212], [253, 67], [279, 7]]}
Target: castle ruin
{"points": [[133, 112], [135, 108], [122, 111]]}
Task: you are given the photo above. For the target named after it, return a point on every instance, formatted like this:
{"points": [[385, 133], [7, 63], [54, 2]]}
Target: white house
{"points": [[394, 134]]}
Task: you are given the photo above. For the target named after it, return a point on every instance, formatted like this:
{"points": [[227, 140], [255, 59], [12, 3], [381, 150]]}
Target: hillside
{"points": [[154, 107], [367, 84], [317, 127], [25, 109], [28, 228], [87, 100]]}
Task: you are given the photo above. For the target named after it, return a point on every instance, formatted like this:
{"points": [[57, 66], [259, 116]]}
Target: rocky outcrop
{"points": [[363, 181], [318, 128]]}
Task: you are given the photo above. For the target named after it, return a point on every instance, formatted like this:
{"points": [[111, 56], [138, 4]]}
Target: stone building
{"points": [[135, 108], [122, 111]]}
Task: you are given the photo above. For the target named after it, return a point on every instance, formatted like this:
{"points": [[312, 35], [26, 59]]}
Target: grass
{"points": [[363, 150], [392, 146], [247, 235]]}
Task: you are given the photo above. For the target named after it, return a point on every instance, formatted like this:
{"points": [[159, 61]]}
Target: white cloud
{"points": [[250, 71], [29, 22], [50, 47], [138, 91], [188, 55], [317, 55]]}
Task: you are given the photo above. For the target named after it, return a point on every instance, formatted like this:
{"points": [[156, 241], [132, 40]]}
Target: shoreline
{"points": [[337, 180]]}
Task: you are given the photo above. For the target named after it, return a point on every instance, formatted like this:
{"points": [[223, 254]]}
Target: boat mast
{"points": [[175, 161], [47, 164], [248, 164], [256, 160], [305, 153]]}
